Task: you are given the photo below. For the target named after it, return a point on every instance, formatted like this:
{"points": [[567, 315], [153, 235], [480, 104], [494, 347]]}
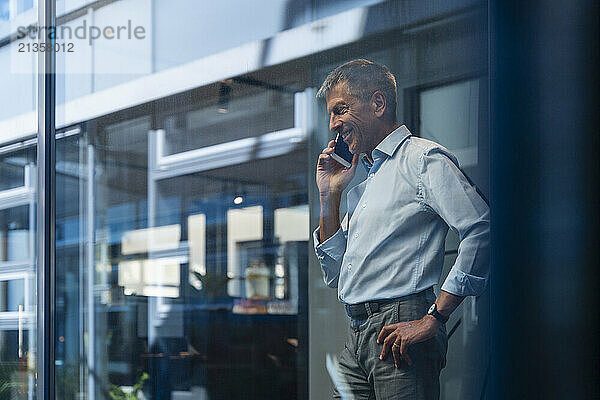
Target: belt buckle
{"points": [[356, 310]]}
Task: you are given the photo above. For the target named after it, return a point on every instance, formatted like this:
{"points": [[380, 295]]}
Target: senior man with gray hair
{"points": [[387, 253]]}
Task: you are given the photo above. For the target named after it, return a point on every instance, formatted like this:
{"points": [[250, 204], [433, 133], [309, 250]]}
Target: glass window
{"points": [[231, 117], [72, 263], [24, 5], [186, 193], [16, 234], [16, 166], [18, 203], [17, 269], [12, 295], [449, 115], [4, 10], [184, 269]]}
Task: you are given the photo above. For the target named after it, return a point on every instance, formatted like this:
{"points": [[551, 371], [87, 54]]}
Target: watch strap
{"points": [[436, 314]]}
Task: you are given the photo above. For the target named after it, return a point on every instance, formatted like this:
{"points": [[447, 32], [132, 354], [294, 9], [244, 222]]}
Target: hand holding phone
{"points": [[334, 172], [341, 153]]}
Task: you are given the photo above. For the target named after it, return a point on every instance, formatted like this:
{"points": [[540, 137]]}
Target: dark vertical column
{"points": [[544, 172], [216, 240], [46, 206], [268, 243]]}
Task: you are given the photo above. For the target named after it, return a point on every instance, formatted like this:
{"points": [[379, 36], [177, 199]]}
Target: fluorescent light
{"points": [[130, 273], [160, 291], [161, 271], [151, 239], [149, 277], [197, 242]]}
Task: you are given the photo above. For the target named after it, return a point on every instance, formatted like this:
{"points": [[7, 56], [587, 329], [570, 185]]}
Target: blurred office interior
{"points": [[185, 196]]}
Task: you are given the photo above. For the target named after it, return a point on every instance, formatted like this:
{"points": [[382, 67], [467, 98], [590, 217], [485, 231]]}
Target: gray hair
{"points": [[363, 77]]}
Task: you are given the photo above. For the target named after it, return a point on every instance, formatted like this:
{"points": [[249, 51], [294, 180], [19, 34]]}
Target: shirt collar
{"points": [[391, 142], [386, 147]]}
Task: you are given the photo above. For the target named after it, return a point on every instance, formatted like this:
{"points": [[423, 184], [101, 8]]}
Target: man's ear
{"points": [[379, 103]]}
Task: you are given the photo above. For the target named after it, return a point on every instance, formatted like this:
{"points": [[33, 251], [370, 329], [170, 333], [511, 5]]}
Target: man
{"points": [[388, 252]]}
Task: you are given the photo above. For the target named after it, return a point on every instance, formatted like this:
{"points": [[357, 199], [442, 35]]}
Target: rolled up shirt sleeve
{"points": [[330, 254], [449, 193]]}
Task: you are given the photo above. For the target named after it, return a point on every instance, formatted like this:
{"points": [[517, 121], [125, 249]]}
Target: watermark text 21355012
{"points": [[83, 31], [41, 47], [121, 45]]}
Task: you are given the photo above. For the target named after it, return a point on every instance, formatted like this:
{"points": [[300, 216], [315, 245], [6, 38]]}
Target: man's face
{"points": [[350, 117]]}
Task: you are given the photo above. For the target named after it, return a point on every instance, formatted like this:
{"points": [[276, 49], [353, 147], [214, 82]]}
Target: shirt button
{"points": [[349, 266], [364, 205], [356, 235]]}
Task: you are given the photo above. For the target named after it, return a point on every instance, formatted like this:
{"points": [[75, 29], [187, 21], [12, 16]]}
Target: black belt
{"points": [[359, 311]]}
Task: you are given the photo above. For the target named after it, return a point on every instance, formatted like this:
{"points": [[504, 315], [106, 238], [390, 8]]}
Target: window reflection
{"points": [[244, 230], [197, 244], [449, 115], [150, 239], [291, 223], [157, 277], [17, 270], [4, 10], [174, 265], [12, 295], [183, 212]]}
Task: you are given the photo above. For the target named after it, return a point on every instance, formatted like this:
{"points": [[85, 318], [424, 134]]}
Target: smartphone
{"points": [[341, 153]]}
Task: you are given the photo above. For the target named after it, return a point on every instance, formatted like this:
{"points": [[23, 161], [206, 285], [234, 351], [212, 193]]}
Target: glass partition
{"points": [[186, 195], [72, 255], [18, 202], [182, 240], [17, 271]]}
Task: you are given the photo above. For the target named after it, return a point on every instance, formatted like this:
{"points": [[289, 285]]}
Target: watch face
{"points": [[431, 309]]}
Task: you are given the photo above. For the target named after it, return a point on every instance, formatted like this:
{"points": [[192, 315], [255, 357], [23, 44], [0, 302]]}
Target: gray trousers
{"points": [[359, 374]]}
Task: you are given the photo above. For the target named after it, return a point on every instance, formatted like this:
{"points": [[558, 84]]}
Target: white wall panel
{"points": [[123, 59], [74, 69], [17, 78], [189, 29]]}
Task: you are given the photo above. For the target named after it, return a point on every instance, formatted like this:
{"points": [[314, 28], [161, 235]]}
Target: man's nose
{"points": [[334, 123]]}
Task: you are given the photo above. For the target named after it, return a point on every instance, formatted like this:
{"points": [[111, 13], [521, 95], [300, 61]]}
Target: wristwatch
{"points": [[434, 313]]}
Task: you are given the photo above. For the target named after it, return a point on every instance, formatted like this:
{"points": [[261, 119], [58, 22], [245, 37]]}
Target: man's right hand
{"points": [[333, 177]]}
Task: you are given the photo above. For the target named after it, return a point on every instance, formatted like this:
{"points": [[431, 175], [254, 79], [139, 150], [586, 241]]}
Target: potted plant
{"points": [[117, 393]]}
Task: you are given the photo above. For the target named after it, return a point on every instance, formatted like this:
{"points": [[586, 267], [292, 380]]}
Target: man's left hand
{"points": [[398, 337]]}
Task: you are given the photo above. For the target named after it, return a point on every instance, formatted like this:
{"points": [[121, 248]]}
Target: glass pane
{"points": [[167, 280], [17, 278], [14, 166], [230, 118], [18, 129], [16, 234], [449, 115], [186, 195], [12, 295], [71, 267], [438, 68], [4, 10]]}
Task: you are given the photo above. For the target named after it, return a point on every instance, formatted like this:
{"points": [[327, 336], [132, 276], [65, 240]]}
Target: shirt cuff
{"points": [[460, 284], [334, 247]]}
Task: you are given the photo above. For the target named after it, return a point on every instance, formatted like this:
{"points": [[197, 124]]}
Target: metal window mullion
{"points": [[90, 265], [46, 205]]}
